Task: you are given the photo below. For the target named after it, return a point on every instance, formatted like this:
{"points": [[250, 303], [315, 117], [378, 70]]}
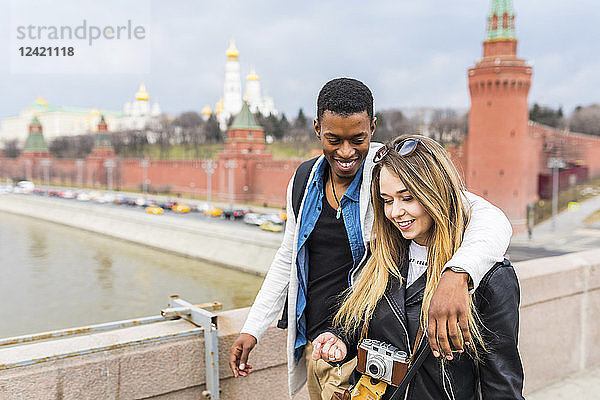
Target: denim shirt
{"points": [[310, 214]]}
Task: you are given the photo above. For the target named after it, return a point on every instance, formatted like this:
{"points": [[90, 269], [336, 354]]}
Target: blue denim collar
{"points": [[353, 191]]}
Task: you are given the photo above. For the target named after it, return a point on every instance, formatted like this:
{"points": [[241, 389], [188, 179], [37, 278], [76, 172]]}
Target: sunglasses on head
{"points": [[403, 148]]}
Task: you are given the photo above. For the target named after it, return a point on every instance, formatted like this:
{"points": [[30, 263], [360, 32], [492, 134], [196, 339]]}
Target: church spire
{"points": [[501, 21]]}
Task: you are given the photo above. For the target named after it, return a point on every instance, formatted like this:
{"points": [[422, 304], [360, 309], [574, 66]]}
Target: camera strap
{"points": [[415, 363]]}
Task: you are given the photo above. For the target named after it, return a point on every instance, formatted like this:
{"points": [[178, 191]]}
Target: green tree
{"points": [[546, 115], [212, 131]]}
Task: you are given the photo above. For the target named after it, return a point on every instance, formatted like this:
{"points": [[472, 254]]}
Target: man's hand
{"points": [[448, 312], [238, 360], [328, 347]]}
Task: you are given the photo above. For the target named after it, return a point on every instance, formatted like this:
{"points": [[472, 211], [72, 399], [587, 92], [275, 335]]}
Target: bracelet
{"points": [[461, 270]]}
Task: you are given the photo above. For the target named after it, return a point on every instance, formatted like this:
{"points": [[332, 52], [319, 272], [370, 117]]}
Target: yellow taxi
{"points": [[214, 212], [154, 210], [181, 208], [270, 226]]}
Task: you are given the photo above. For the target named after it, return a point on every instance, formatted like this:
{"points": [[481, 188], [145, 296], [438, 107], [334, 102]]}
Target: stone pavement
{"points": [[570, 235], [582, 386]]}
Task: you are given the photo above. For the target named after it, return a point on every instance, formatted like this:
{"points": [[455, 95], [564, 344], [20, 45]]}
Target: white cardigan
{"points": [[481, 248]]}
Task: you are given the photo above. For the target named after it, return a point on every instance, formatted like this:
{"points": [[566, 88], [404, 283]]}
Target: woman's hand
{"points": [[328, 347]]}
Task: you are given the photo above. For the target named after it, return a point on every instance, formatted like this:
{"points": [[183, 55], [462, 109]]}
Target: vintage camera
{"points": [[382, 361]]}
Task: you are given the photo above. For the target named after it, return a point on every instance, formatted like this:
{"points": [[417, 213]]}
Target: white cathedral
{"points": [[231, 102]]}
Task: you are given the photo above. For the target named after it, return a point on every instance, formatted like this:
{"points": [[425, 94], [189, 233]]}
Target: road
{"points": [[570, 235]]}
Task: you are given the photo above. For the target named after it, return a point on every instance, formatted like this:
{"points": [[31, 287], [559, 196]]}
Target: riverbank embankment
{"points": [[230, 244]]}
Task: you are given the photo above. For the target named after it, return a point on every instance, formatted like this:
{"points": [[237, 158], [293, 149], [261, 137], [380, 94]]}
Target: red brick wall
{"points": [[257, 178], [576, 148]]}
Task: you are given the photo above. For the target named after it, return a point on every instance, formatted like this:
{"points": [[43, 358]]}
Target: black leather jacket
{"points": [[498, 374]]}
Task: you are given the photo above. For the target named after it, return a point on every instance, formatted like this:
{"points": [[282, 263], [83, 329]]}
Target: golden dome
{"points": [[219, 107], [41, 101], [232, 52], [207, 110], [252, 75], [95, 112], [141, 94]]}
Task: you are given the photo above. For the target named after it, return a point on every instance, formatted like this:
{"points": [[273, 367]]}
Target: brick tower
{"points": [[102, 142], [35, 157], [499, 164], [35, 145], [101, 165], [238, 163]]}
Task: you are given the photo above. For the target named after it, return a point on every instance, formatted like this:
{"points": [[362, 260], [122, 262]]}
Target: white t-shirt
{"points": [[417, 262]]}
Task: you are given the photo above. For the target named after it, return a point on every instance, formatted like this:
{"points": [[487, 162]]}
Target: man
{"points": [[323, 246]]}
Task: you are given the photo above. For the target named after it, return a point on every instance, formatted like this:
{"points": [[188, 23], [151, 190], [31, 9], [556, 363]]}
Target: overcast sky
{"points": [[410, 53]]}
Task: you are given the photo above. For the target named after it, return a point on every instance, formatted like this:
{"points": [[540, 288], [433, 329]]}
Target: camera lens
{"points": [[373, 369], [376, 367]]}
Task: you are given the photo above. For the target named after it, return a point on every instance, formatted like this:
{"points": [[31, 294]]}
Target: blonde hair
{"points": [[433, 180]]}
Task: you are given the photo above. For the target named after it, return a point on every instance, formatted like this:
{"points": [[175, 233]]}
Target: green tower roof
{"points": [[35, 142], [504, 28], [245, 120]]}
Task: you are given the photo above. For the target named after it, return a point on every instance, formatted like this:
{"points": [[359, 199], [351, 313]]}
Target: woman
{"points": [[420, 216]]}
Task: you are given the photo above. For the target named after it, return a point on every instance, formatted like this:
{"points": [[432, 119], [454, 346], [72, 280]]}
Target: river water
{"points": [[54, 277]]}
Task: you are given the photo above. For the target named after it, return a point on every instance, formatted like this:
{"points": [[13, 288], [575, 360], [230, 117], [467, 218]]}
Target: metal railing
{"points": [[199, 315]]}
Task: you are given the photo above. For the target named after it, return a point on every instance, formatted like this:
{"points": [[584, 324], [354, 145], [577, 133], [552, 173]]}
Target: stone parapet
{"points": [[560, 309], [560, 305]]}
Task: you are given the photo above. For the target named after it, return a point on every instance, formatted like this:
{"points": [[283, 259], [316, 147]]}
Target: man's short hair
{"points": [[345, 96]]}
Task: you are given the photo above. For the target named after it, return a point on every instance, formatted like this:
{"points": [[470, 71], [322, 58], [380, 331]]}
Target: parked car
{"points": [[141, 201], [270, 226], [83, 196], [202, 207], [181, 208], [154, 210], [253, 219], [120, 199], [25, 187], [274, 218], [214, 212], [6, 189], [95, 195], [69, 194], [168, 205], [106, 198], [234, 214]]}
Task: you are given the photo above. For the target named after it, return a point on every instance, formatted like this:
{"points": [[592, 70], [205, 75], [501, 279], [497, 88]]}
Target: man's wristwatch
{"points": [[461, 270]]}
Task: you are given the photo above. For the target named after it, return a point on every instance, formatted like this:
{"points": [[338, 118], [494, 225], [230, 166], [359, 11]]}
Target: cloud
{"points": [[408, 52]]}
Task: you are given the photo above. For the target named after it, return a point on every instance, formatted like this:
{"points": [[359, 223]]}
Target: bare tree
{"points": [[448, 126], [586, 119], [393, 123], [72, 146], [11, 148], [189, 129]]}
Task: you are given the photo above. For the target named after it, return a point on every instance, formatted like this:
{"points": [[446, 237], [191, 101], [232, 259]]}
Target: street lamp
{"points": [[46, 164], [79, 173], [555, 163], [145, 163], [28, 169], [230, 165], [109, 165], [209, 166]]}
